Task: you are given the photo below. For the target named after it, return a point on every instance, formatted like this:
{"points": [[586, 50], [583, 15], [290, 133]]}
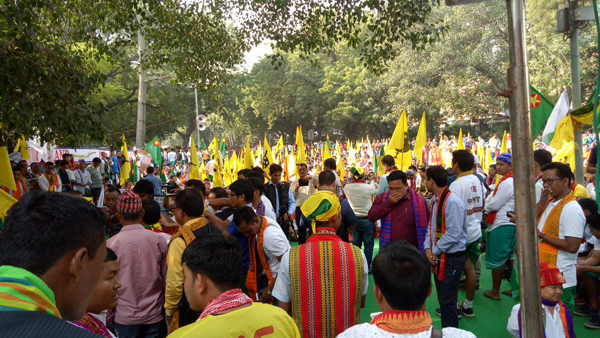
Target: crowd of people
{"points": [[288, 251]]}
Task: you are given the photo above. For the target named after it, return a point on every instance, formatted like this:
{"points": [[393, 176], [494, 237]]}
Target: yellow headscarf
{"points": [[358, 173], [321, 207]]}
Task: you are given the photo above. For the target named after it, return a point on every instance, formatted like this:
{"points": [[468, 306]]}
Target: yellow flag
{"points": [[503, 147], [563, 132], [267, 156], [421, 140], [399, 147], [6, 201], [202, 171], [326, 153], [279, 145], [341, 169], [125, 164], [194, 163], [286, 166], [460, 145], [488, 158], [300, 148], [218, 167], [22, 149], [6, 176], [227, 177]]}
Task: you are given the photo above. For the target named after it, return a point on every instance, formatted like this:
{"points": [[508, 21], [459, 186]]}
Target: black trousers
{"points": [[96, 194], [448, 288], [301, 227]]}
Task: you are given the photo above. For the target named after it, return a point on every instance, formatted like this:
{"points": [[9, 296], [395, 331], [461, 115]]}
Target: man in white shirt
{"points": [[469, 188], [389, 164], [469, 148], [501, 241], [302, 189], [270, 242], [172, 157], [402, 277], [560, 226], [83, 178], [360, 197]]}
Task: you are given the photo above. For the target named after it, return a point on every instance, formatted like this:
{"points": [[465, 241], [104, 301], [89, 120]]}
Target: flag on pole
{"points": [[326, 152], [300, 148], [421, 140], [6, 202], [248, 158], [6, 176], [503, 147], [194, 162], [541, 109], [267, 157], [125, 164], [218, 166], [399, 146], [460, 145], [558, 113], [22, 149], [153, 149], [380, 170]]}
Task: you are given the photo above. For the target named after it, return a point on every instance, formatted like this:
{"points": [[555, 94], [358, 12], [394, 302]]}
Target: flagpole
{"points": [[197, 122], [527, 242]]}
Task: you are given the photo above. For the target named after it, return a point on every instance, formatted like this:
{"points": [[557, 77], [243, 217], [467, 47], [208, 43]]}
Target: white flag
{"points": [[561, 109]]}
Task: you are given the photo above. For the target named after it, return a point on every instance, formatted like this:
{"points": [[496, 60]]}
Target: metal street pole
{"points": [[140, 131], [525, 203], [197, 121], [576, 89]]}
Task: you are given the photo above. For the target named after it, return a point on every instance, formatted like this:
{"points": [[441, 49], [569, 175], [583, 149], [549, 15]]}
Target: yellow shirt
{"points": [[256, 320], [174, 288]]}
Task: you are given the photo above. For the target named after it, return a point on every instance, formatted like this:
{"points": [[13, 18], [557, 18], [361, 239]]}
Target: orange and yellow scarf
{"points": [[253, 245], [21, 189], [548, 253]]}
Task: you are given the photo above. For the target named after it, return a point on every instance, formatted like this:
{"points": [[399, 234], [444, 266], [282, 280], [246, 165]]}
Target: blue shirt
{"points": [[291, 205], [116, 168], [157, 183], [243, 240], [455, 238]]}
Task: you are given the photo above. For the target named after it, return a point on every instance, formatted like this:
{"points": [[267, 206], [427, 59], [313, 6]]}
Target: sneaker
{"points": [[438, 312], [466, 312], [585, 311], [594, 323], [580, 301]]}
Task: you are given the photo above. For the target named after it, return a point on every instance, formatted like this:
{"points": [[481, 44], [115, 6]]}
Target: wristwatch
{"points": [[269, 292]]}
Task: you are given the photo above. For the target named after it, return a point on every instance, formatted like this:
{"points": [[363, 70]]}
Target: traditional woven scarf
{"points": [[565, 316], [21, 189], [226, 301], [261, 210], [420, 211], [403, 322], [93, 325], [187, 231], [491, 217], [52, 181], [22, 290], [548, 253], [321, 207], [255, 243], [440, 230]]}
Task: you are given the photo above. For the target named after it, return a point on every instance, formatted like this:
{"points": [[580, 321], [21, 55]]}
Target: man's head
{"points": [[327, 180], [504, 164], [552, 283], [49, 167], [60, 239], [150, 170], [151, 212], [323, 209], [96, 162], [469, 146], [189, 205], [302, 170], [144, 189], [35, 167], [436, 177], [388, 162], [275, 171], [196, 185], [212, 264], [241, 193], [259, 187], [541, 157], [329, 164], [242, 174], [23, 164], [462, 161], [17, 172], [247, 221], [66, 157], [358, 173], [402, 277], [106, 295], [397, 181], [218, 193], [111, 198], [81, 165], [557, 177], [63, 165], [492, 171], [129, 208], [103, 154]]}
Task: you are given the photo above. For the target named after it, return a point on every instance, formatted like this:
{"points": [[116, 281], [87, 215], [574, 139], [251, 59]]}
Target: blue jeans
{"points": [[157, 330], [365, 234]]}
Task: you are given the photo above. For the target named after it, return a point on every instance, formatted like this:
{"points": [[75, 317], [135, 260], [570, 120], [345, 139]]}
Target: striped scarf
{"points": [[440, 231], [420, 210], [548, 253], [20, 290], [93, 325]]}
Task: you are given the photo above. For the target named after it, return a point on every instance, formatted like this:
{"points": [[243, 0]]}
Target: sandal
{"points": [[507, 293], [486, 293]]}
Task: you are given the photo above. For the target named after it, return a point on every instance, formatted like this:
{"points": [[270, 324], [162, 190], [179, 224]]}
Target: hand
{"points": [[512, 218], [169, 319], [296, 187], [581, 269], [432, 259], [546, 194], [395, 196], [264, 296], [286, 216], [540, 234]]}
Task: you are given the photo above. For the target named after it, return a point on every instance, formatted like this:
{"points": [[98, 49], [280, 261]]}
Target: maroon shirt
{"points": [[403, 217]]}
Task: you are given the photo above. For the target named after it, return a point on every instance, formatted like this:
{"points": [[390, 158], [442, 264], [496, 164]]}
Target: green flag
{"points": [[541, 109], [202, 144], [153, 148]]}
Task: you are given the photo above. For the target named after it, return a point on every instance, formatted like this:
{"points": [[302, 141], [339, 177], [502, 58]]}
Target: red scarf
{"points": [[403, 322], [440, 231], [226, 301], [492, 216]]}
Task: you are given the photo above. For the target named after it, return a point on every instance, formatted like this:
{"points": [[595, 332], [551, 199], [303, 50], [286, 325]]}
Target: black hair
{"points": [[151, 212], [257, 184], [464, 159], [403, 275], [113, 189], [275, 168], [438, 174], [326, 178], [150, 170], [49, 163], [245, 214], [329, 164], [243, 187], [542, 157], [493, 166], [110, 255], [244, 172], [43, 227], [65, 155], [397, 175], [197, 185], [256, 174], [190, 202], [259, 169], [593, 220], [97, 160], [216, 257], [143, 187], [17, 168], [63, 162], [302, 165], [562, 170], [388, 160], [76, 193], [219, 192]]}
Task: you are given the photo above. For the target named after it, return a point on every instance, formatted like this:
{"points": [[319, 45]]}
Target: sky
{"points": [[254, 55]]}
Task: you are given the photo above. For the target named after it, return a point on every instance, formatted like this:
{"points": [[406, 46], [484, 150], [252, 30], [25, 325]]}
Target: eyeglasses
{"points": [[397, 189], [550, 182]]}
